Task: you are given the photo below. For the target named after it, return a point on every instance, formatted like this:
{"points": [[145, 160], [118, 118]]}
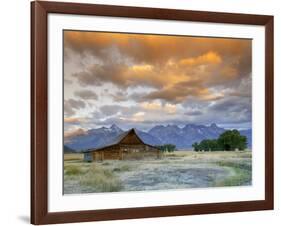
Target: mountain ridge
{"points": [[182, 137]]}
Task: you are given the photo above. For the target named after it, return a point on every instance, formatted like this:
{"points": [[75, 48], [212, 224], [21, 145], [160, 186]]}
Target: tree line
{"points": [[167, 147], [230, 140]]}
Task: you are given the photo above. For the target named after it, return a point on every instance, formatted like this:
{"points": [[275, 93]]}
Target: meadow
{"points": [[176, 170]]}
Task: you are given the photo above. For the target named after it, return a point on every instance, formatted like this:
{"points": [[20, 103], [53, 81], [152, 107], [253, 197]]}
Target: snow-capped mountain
{"points": [[93, 138], [148, 138], [100, 137], [186, 136], [183, 138]]}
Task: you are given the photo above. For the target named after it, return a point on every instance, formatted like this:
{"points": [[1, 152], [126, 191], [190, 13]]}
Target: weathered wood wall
{"points": [[126, 151]]}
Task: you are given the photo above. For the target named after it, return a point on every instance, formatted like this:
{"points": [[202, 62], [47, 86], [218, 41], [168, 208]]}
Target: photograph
{"points": [[146, 112], [143, 112]]}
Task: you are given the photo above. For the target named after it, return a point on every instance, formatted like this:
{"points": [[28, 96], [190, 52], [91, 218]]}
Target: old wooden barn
{"points": [[127, 145]]}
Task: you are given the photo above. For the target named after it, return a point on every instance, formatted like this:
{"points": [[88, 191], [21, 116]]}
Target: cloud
{"points": [[72, 105], [157, 106], [193, 112], [171, 79], [72, 120], [67, 81], [229, 110], [207, 58], [154, 60], [151, 105], [151, 48], [137, 117], [232, 110], [181, 91], [109, 110], [86, 94], [232, 104], [96, 74], [74, 132], [122, 75], [174, 82], [158, 76], [119, 96], [138, 114], [243, 89]]}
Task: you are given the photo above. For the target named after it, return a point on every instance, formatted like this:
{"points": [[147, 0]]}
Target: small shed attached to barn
{"points": [[127, 145]]}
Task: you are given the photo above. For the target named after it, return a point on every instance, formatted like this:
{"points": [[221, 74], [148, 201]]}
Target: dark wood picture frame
{"points": [[39, 112]]}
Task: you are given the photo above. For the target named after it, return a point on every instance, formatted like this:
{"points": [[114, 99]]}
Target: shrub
{"points": [[73, 170], [101, 180]]}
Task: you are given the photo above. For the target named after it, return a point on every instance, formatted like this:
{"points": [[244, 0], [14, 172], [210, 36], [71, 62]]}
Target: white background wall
{"points": [[14, 113]]}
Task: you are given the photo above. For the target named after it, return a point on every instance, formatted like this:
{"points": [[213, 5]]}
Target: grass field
{"points": [[177, 170]]}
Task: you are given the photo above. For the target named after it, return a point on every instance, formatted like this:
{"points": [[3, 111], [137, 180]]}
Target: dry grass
{"points": [[73, 156], [92, 177], [73, 170], [101, 179], [233, 168]]}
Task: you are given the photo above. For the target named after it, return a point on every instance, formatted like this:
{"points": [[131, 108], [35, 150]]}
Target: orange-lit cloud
{"points": [[157, 106], [153, 48], [149, 74], [205, 59], [72, 120], [162, 62]]}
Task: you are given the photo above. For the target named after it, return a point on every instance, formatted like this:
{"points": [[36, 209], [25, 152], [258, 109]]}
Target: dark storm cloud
{"points": [[86, 94], [232, 105], [98, 74], [233, 109]]}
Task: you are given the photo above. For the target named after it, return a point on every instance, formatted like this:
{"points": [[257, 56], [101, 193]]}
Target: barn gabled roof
{"points": [[117, 140]]}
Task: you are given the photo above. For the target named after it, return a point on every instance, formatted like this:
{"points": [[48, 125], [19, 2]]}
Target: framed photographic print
{"points": [[147, 112]]}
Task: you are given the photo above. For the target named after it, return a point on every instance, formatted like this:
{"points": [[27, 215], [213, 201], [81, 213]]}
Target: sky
{"points": [[140, 80]]}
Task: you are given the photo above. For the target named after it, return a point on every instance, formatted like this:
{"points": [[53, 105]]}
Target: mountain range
{"points": [[183, 137]]}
